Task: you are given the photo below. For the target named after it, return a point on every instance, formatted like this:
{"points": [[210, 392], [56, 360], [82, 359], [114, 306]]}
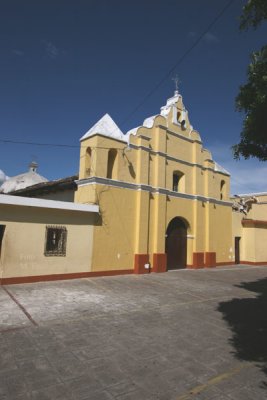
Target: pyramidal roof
{"points": [[106, 127]]}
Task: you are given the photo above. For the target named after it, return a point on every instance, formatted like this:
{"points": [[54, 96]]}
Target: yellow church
{"points": [[164, 202], [150, 200]]}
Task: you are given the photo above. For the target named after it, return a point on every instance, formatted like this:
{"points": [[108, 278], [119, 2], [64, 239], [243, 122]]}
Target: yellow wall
{"points": [[260, 245], [24, 241], [220, 232], [253, 236], [115, 229]]}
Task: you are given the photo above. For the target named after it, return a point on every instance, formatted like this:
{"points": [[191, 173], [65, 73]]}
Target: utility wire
{"points": [[53, 144], [38, 143], [149, 94], [181, 59]]}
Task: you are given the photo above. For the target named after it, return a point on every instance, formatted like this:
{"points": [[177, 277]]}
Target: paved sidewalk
{"points": [[189, 334]]}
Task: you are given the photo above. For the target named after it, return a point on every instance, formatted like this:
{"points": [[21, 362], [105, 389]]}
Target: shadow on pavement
{"points": [[247, 317]]}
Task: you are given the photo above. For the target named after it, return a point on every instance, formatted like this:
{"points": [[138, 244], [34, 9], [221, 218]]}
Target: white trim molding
{"points": [[50, 204]]}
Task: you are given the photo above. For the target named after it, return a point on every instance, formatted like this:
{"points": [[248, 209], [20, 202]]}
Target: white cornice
{"points": [[50, 204]]}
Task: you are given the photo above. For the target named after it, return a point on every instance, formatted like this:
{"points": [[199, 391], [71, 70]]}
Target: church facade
{"points": [[151, 200], [164, 202]]}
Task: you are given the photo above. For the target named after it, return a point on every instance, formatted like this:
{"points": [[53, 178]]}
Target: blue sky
{"points": [[64, 64]]}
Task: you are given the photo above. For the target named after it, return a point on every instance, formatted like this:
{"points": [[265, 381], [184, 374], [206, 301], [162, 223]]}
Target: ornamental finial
{"points": [[176, 82]]}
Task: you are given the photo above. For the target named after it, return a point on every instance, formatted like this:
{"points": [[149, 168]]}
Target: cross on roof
{"points": [[177, 82]]}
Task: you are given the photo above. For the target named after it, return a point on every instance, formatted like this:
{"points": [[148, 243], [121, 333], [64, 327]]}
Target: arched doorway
{"points": [[176, 243]]}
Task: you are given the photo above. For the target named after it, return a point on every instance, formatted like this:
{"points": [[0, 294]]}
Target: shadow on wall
{"points": [[247, 318]]}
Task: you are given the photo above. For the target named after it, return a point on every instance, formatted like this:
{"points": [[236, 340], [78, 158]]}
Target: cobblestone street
{"points": [[188, 334]]}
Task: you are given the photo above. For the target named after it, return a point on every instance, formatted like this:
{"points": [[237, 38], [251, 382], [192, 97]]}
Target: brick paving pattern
{"points": [[188, 334]]}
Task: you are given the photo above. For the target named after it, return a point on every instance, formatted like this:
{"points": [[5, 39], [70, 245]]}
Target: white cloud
{"points": [[51, 50], [18, 53], [192, 34], [208, 37], [247, 176]]}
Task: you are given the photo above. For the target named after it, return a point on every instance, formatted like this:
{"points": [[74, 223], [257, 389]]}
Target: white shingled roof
{"points": [[106, 127]]}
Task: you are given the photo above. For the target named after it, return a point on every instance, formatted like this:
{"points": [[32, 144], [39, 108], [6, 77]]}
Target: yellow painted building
{"points": [[44, 239], [164, 202], [250, 229], [150, 200]]}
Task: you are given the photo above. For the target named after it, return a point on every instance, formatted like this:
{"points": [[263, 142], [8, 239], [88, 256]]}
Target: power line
{"points": [[181, 59], [7, 141], [148, 95], [38, 143]]}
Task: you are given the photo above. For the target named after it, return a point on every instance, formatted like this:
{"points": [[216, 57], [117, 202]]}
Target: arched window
{"points": [[178, 181], [112, 164], [88, 160], [222, 190]]}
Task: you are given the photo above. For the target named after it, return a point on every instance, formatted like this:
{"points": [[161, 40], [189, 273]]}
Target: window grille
{"points": [[56, 239]]}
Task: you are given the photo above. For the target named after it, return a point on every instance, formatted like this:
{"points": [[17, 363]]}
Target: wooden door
{"points": [[176, 244]]}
